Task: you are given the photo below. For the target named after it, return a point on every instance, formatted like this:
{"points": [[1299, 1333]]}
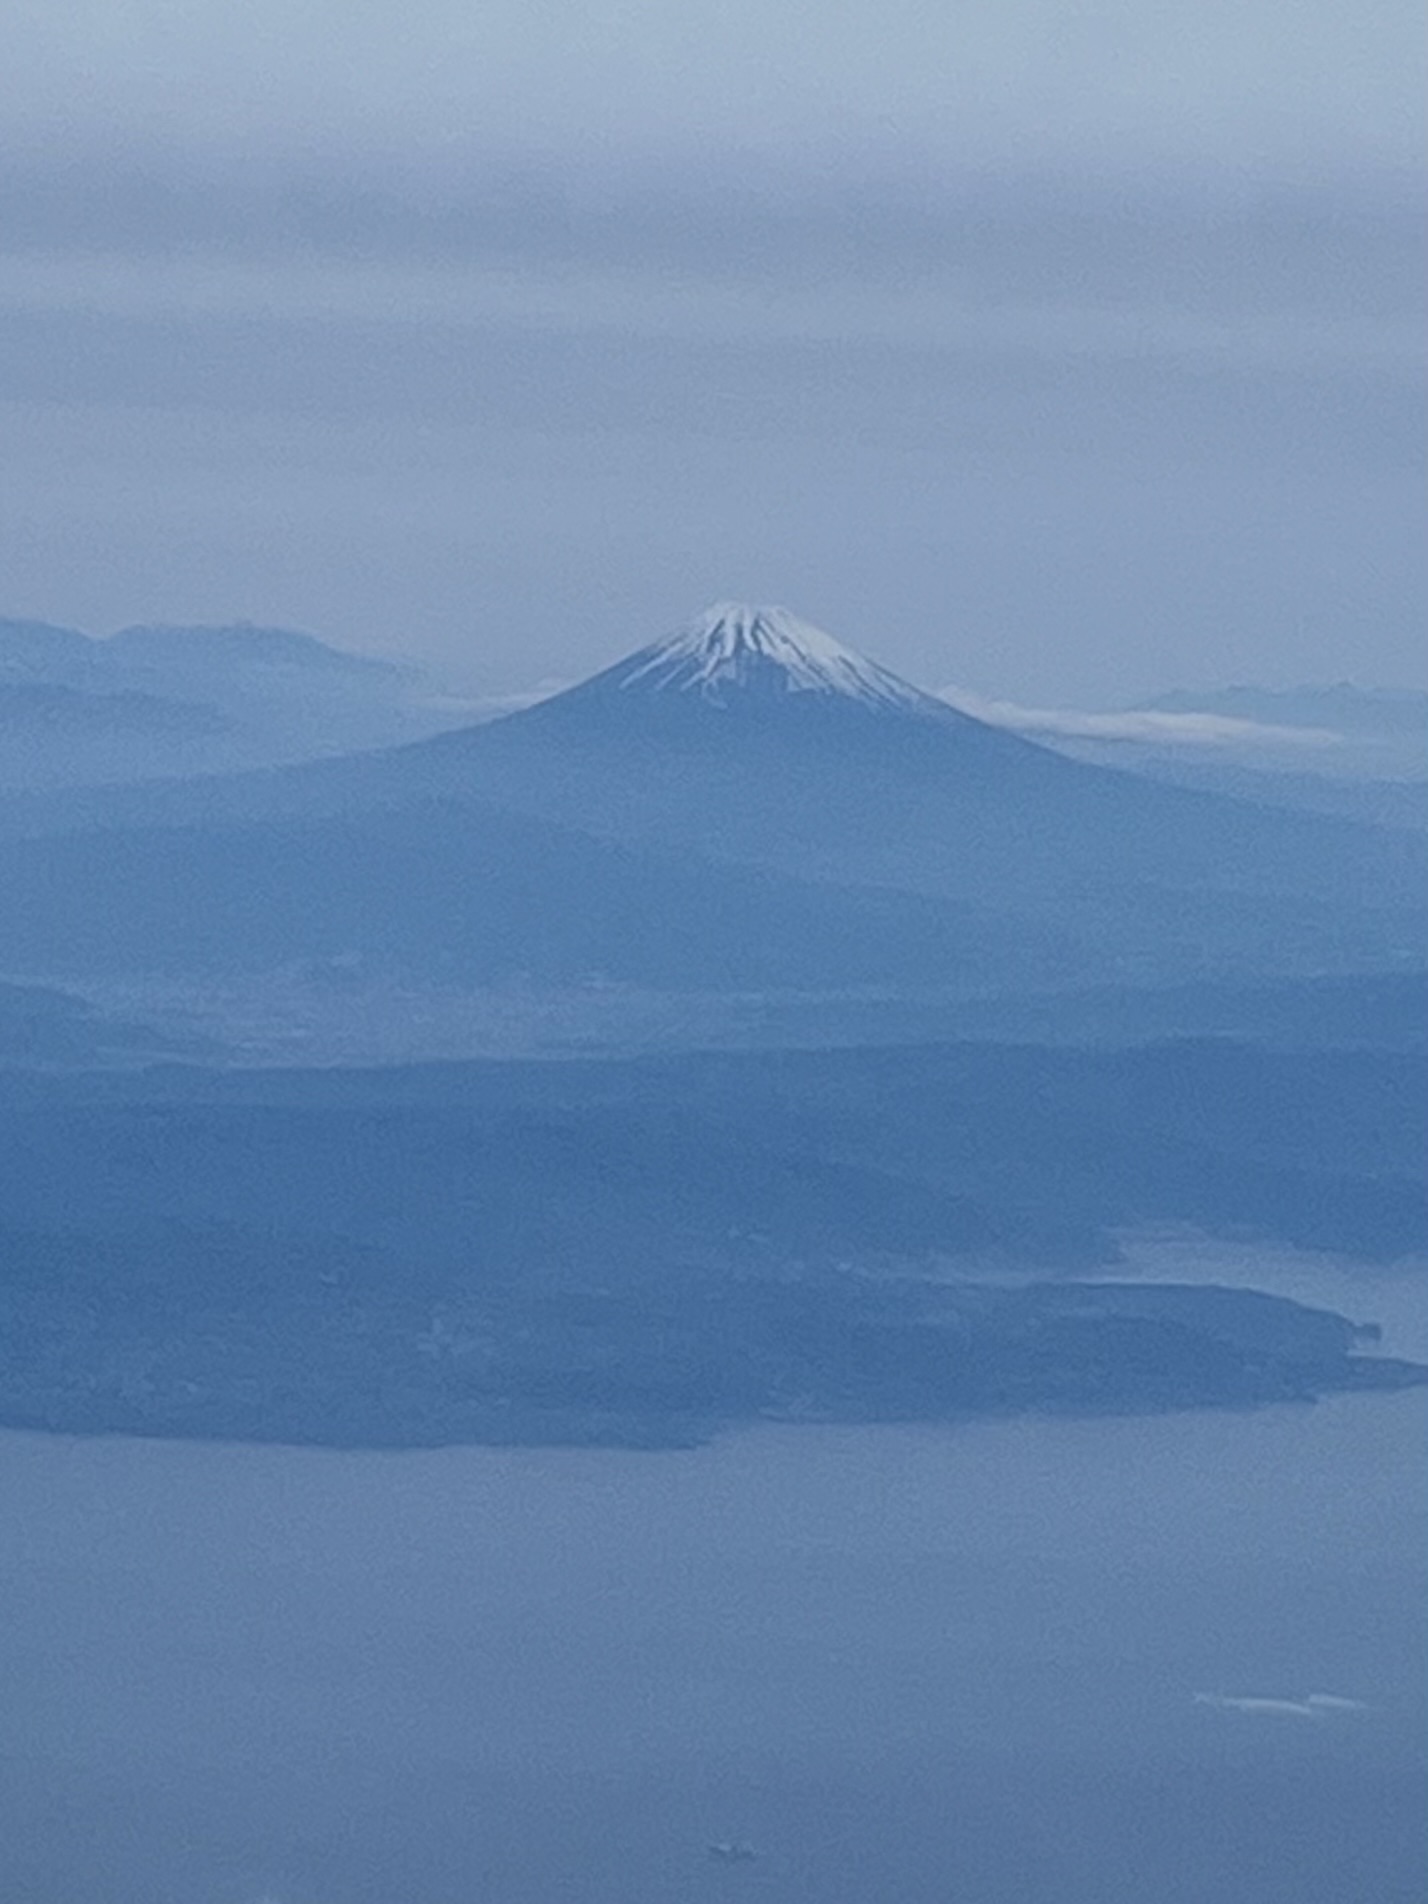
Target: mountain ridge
{"points": [[169, 701], [745, 740]]}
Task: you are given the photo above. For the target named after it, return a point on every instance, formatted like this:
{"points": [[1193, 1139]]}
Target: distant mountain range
{"points": [[154, 701], [746, 805]]}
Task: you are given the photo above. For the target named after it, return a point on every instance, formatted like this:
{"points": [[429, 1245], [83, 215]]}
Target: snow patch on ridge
{"points": [[733, 646]]}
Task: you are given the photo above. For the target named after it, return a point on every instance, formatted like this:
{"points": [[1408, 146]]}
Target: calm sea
{"points": [[901, 1667]]}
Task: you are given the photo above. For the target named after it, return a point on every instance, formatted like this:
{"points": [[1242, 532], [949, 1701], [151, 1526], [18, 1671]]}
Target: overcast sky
{"points": [[1063, 353]]}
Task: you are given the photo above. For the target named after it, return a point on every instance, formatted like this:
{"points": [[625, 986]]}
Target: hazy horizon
{"points": [[461, 674]]}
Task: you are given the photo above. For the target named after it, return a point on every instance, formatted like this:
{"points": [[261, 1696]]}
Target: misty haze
{"points": [[768, 1251]]}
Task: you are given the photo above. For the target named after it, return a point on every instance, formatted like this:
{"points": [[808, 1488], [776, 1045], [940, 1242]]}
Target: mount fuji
{"points": [[736, 670], [736, 654], [825, 820], [749, 735]]}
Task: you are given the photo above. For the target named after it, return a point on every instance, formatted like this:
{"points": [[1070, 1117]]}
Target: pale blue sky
{"points": [[1063, 353]]}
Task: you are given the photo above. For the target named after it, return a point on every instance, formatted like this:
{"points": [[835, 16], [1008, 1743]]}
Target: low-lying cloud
{"points": [[1143, 726]]}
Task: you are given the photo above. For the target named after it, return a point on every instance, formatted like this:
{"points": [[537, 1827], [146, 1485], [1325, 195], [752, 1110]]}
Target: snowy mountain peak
{"points": [[734, 649]]}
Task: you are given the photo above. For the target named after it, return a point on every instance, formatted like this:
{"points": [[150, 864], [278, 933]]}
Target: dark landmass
{"points": [[142, 1337], [643, 1252], [339, 1013], [1024, 1156]]}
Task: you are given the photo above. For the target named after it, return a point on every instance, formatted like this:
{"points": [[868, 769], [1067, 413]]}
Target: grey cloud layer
{"points": [[1061, 358], [593, 241]]}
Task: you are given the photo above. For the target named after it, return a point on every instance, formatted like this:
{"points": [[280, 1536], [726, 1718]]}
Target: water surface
{"points": [[906, 1666]]}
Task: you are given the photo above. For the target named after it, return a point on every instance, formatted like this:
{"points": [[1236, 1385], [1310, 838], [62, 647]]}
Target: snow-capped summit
{"points": [[733, 650]]}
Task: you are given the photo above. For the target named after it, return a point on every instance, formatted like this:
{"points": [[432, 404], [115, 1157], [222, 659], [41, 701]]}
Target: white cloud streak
{"points": [[1145, 727], [1317, 1706]]}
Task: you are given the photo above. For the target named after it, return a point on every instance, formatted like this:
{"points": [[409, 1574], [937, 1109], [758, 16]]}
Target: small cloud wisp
{"points": [[1145, 726], [1317, 1705]]}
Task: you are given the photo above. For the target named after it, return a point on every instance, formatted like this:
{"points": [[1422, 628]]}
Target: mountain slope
{"points": [[457, 893], [750, 738]]}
